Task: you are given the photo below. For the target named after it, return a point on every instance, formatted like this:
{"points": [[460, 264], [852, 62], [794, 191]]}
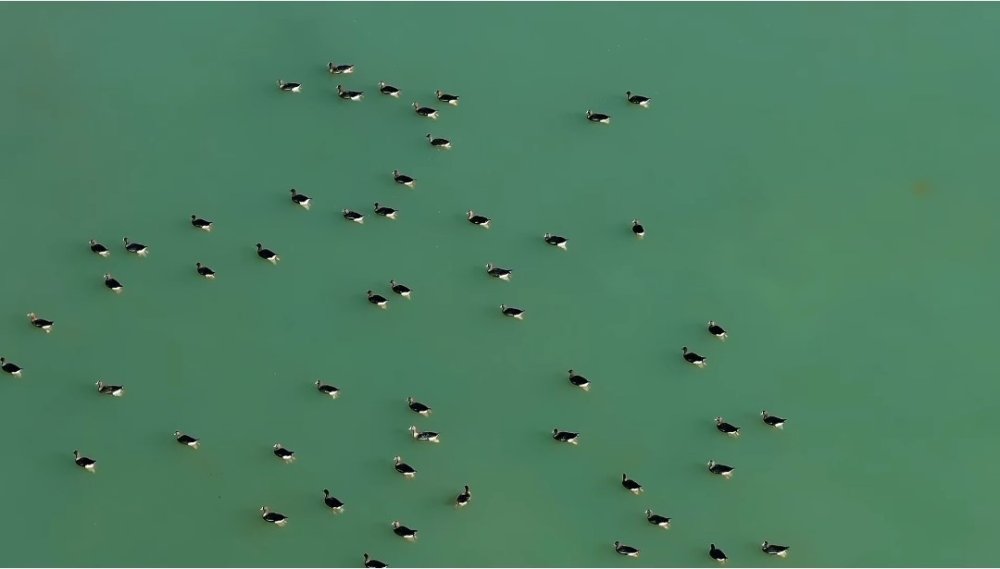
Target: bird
{"points": [[631, 485], [135, 248], [555, 240], [579, 381], [86, 463], [99, 249], [418, 407], [335, 505], [385, 211], [480, 220], [498, 272], [186, 439], [464, 497], [353, 216], [426, 436], [378, 300], [442, 143], [512, 312], [342, 69], [200, 223], [267, 254], [717, 331], [373, 563], [773, 549], [404, 532], [40, 323], [638, 229], [637, 99], [772, 420], [403, 179], [273, 517], [598, 117], [301, 199], [349, 95], [405, 469], [10, 368], [283, 453], [204, 271], [446, 98], [425, 111], [112, 390], [717, 554], [400, 289], [626, 550], [726, 428], [387, 89], [565, 436], [325, 389], [112, 283], [289, 87], [720, 469], [657, 520], [693, 358]]}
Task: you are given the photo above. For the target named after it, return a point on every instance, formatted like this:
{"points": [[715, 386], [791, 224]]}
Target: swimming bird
{"points": [[773, 549], [289, 87], [404, 532], [726, 428], [273, 517], [418, 407], [342, 69], [135, 248], [657, 520], [464, 497], [425, 111], [717, 554], [598, 117], [579, 381], [301, 199], [10, 368], [99, 249], [717, 331], [631, 485], [349, 95], [200, 223], [693, 358], [283, 453], [637, 99], [373, 563], [565, 436], [638, 229], [400, 289], [353, 216], [112, 283], [386, 89], [442, 143], [720, 469], [40, 323], [555, 240], [626, 550], [498, 272], [86, 463], [335, 505], [426, 436], [326, 389], [385, 211], [512, 312], [772, 420], [446, 98], [405, 469], [267, 254], [112, 390], [378, 300], [204, 271], [480, 220], [187, 440], [403, 179]]}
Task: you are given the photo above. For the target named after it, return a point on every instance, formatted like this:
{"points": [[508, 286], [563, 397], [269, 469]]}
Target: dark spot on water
{"points": [[921, 189]]}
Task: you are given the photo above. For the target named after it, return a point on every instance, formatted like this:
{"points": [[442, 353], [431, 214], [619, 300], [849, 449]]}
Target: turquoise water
{"points": [[819, 178]]}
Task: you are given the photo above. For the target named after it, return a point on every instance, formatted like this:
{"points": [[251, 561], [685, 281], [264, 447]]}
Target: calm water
{"points": [[820, 179]]}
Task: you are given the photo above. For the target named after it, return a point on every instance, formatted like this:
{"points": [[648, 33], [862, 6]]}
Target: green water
{"points": [[819, 178]]}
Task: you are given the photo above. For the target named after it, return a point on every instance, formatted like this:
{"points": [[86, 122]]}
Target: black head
{"points": [[259, 246]]}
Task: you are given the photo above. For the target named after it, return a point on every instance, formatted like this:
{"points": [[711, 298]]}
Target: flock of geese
{"points": [[464, 497]]}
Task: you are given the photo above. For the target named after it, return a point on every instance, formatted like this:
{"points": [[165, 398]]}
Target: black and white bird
{"points": [[726, 428], [349, 95], [327, 389], [638, 229], [565, 436], [371, 563], [446, 98], [10, 368], [774, 549], [693, 358], [657, 519], [199, 223], [637, 99], [403, 179], [404, 532], [300, 199], [598, 117], [511, 312], [425, 436], [772, 420], [722, 470], [335, 505], [418, 407], [135, 248], [204, 271], [555, 240], [289, 86], [112, 283], [378, 300], [401, 289], [631, 485], [99, 249], [354, 216], [112, 390], [464, 497], [442, 143], [283, 453], [272, 517], [405, 469], [40, 323], [267, 254], [425, 111], [84, 462], [717, 554], [387, 89], [579, 381], [186, 440], [498, 272], [476, 219], [716, 330], [626, 550], [385, 211], [342, 69]]}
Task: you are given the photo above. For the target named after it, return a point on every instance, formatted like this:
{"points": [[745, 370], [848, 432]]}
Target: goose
{"points": [[693, 358], [716, 330], [565, 436], [200, 223], [343, 69], [631, 485], [480, 220], [385, 211], [726, 428], [717, 554], [772, 420], [403, 179], [405, 469], [187, 440], [353, 216], [373, 563], [386, 89], [99, 249], [267, 254], [404, 532], [464, 497], [10, 368], [425, 111], [400, 289], [40, 323], [512, 312], [86, 463], [418, 407], [283, 453], [204, 271], [349, 95], [112, 283], [498, 272], [289, 87], [773, 549], [335, 505], [555, 240], [378, 300], [579, 381], [657, 520], [426, 436], [720, 469], [442, 143], [112, 390], [135, 248], [637, 99], [446, 98], [273, 517], [326, 389], [626, 550], [638, 229], [598, 117], [301, 199]]}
